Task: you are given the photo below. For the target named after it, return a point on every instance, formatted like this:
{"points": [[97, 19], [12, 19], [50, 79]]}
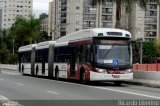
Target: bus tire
{"points": [[23, 69], [56, 73], [117, 83], [82, 77], [37, 70]]}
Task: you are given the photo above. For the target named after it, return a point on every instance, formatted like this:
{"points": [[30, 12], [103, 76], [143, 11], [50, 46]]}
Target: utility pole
{"points": [[141, 52]]}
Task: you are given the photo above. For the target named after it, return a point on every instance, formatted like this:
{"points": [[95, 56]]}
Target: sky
{"points": [[40, 6]]}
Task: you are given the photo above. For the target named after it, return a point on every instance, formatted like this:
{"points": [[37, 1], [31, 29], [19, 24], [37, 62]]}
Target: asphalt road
{"points": [[29, 90]]}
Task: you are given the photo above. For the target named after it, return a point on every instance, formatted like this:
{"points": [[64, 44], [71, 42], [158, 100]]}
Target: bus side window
{"points": [[88, 52], [79, 53]]}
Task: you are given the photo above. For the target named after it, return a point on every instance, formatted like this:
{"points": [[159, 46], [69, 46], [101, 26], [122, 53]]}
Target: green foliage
{"points": [[27, 31], [149, 52], [23, 32], [157, 45]]}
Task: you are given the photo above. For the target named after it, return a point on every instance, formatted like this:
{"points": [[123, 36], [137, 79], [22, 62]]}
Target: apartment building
{"points": [[1, 8], [73, 15], [50, 14], [13, 8], [144, 24], [44, 24]]}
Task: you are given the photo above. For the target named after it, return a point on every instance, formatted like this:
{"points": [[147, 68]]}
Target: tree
{"points": [[126, 3], [157, 45], [149, 52], [6, 48], [26, 29]]}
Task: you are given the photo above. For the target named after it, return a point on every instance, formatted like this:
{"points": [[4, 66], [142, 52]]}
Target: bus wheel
{"points": [[56, 74], [22, 69], [82, 78], [117, 83], [37, 69]]}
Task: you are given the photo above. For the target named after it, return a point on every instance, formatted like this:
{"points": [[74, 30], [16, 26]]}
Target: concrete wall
{"points": [[149, 75]]}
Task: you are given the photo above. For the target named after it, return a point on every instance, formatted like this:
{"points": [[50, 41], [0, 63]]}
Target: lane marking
{"points": [[1, 79], [19, 84], [55, 93], [132, 93], [114, 90]]}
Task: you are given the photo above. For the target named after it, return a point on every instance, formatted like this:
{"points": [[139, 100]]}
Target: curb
{"points": [[142, 84], [6, 102], [3, 100], [8, 69]]}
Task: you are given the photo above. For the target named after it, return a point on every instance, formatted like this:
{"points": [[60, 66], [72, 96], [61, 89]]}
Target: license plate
{"points": [[116, 76]]}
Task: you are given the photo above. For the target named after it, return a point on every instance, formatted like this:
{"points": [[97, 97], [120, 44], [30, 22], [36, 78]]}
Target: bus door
{"points": [[72, 62], [19, 61], [44, 60]]}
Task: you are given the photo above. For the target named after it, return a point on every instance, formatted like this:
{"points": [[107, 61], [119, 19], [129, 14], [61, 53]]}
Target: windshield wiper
{"points": [[108, 51]]}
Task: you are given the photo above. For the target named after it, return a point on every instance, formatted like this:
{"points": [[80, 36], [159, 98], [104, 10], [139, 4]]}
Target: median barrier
{"points": [[152, 67], [149, 75], [146, 67], [147, 71]]}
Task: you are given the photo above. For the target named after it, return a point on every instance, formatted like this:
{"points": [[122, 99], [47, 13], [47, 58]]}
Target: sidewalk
{"points": [[8, 67], [5, 102], [144, 82]]}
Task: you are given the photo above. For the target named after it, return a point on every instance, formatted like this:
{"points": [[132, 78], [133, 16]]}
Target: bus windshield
{"points": [[113, 53]]}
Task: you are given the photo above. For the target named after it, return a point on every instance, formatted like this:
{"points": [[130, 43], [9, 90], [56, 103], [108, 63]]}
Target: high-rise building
{"points": [[144, 23], [44, 23], [13, 8], [1, 8], [50, 14], [73, 15]]}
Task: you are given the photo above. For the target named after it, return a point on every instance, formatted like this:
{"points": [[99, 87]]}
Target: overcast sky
{"points": [[40, 6]]}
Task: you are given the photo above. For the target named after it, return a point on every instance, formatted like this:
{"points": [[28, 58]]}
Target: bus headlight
{"points": [[129, 70], [100, 70]]}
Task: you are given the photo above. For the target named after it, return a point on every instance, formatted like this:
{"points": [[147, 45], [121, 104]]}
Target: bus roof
{"points": [[26, 48], [43, 45], [96, 32]]}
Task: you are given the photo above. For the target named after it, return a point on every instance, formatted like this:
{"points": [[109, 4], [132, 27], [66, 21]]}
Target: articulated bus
{"points": [[100, 54], [27, 59]]}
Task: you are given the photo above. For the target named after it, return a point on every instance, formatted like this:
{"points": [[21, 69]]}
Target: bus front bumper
{"points": [[95, 76]]}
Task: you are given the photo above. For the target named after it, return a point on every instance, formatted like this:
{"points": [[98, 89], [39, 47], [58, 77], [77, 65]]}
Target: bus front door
{"points": [[72, 63]]}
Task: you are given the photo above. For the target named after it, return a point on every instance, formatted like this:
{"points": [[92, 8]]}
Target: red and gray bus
{"points": [[100, 54]]}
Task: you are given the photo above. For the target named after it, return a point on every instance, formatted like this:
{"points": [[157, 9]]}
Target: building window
{"points": [[77, 8], [77, 29], [77, 23]]}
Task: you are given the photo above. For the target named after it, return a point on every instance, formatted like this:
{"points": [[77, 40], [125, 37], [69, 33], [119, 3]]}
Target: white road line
{"points": [[114, 90], [1, 79], [55, 93], [19, 84], [121, 91]]}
